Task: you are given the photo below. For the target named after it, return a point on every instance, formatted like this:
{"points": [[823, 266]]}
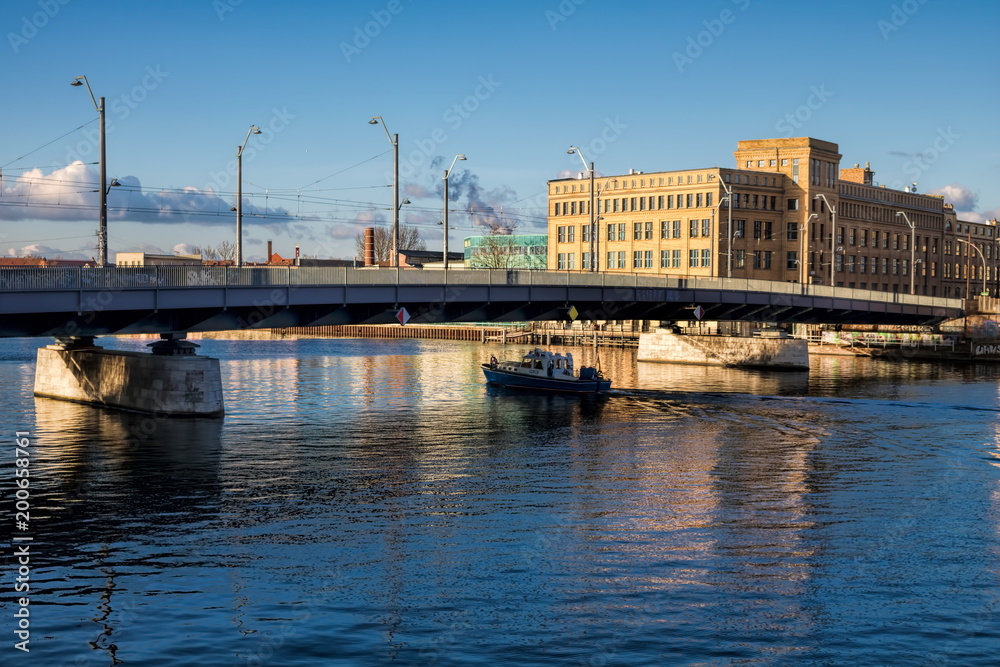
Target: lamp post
{"points": [[833, 238], [982, 257], [913, 246], [729, 226], [576, 149], [805, 245], [102, 232], [447, 173], [596, 231], [394, 140], [239, 194]]}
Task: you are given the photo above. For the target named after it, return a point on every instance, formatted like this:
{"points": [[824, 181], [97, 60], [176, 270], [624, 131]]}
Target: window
{"points": [[706, 227], [648, 229], [586, 260], [793, 204], [773, 163], [739, 229], [621, 259], [621, 234], [611, 261], [791, 231], [885, 265], [740, 259], [585, 233], [706, 257], [851, 263], [611, 233], [784, 162], [693, 228], [562, 235], [697, 200], [792, 260], [689, 200], [562, 261], [708, 199], [569, 260], [572, 208], [762, 259], [677, 229], [694, 258], [852, 236], [637, 259], [664, 259], [647, 259], [675, 256], [895, 266], [636, 231], [571, 234], [664, 229], [839, 262], [862, 264]]}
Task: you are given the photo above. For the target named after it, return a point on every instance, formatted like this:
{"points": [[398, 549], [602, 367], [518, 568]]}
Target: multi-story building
{"points": [[506, 251], [786, 212]]}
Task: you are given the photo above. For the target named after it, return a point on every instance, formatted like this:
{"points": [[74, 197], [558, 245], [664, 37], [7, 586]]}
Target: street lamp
{"points": [[394, 140], [805, 245], [833, 238], [239, 194], [102, 232], [913, 246], [575, 149], [729, 205], [447, 172], [982, 257], [596, 231]]}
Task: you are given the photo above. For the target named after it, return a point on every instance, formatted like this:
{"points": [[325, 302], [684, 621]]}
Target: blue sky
{"points": [[910, 86]]}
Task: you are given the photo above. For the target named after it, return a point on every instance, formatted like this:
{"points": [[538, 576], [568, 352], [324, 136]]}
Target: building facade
{"points": [[787, 212], [507, 251]]}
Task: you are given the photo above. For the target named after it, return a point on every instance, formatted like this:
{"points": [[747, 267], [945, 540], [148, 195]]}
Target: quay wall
{"points": [[779, 353]]}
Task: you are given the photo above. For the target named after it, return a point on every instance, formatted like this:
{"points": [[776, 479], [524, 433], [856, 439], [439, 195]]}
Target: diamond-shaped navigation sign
{"points": [[699, 312], [572, 312], [402, 316]]}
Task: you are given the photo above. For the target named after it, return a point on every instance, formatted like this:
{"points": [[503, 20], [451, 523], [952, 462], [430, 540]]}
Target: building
{"points": [[147, 259], [794, 216], [507, 251]]}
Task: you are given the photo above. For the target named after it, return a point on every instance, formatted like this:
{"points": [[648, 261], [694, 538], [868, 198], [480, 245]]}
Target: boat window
{"points": [[538, 364]]}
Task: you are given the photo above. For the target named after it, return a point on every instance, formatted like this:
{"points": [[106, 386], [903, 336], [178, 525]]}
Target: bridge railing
{"points": [[159, 277]]}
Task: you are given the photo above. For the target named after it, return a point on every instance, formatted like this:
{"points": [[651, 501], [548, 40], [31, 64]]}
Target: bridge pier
{"points": [[171, 381]]}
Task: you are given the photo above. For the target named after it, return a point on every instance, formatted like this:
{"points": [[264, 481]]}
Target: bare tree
{"points": [[225, 252], [409, 239], [495, 251]]}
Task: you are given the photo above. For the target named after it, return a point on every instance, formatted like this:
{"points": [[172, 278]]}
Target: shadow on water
{"points": [[102, 468]]}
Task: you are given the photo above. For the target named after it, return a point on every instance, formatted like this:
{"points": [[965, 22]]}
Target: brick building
{"points": [[796, 216]]}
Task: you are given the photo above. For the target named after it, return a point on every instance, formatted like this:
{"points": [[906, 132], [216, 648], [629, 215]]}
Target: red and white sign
{"points": [[699, 312], [402, 316]]}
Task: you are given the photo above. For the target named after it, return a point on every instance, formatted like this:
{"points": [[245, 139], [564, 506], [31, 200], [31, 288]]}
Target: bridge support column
{"points": [[171, 381]]}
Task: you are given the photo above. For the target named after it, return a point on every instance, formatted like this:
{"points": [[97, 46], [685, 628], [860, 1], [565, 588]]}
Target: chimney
{"points": [[269, 253], [369, 246]]}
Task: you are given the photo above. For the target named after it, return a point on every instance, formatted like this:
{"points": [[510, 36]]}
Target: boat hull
{"points": [[517, 381]]}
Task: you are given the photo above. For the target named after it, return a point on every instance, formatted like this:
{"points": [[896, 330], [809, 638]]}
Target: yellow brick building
{"points": [[795, 216]]}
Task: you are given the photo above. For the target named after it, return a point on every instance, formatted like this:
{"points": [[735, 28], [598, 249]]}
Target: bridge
{"points": [[81, 302]]}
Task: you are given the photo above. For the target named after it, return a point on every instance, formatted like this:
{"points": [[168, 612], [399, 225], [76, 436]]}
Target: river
{"points": [[372, 502]]}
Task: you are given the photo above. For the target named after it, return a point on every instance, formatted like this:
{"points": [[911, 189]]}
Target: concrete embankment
{"points": [[777, 353]]}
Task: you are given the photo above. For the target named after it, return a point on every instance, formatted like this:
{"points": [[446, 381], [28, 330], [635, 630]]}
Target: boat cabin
{"points": [[541, 363]]}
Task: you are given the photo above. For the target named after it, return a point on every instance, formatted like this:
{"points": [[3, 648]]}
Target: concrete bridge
{"points": [[90, 302], [75, 305]]}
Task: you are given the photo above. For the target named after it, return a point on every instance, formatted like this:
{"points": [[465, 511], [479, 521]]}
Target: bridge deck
{"points": [[60, 301]]}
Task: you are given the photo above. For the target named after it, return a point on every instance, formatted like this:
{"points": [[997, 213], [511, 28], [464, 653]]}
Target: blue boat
{"points": [[542, 370]]}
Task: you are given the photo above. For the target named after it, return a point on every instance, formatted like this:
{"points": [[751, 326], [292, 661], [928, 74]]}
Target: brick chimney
{"points": [[369, 246], [269, 253]]}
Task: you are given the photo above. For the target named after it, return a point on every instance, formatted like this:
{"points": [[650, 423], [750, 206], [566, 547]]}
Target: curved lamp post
{"points": [[102, 231], [981, 256], [394, 140], [447, 173], [239, 194], [833, 238], [913, 246], [576, 149]]}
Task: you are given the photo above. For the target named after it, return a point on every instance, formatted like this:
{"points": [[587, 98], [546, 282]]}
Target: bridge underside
{"points": [[148, 310]]}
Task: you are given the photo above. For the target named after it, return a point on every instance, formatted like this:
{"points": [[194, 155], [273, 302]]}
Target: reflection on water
{"points": [[374, 502]]}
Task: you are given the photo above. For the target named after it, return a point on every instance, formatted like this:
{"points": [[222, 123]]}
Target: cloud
{"points": [[186, 249], [71, 192], [961, 197], [48, 252]]}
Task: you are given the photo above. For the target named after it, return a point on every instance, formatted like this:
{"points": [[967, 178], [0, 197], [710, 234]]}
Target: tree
{"points": [[225, 252], [409, 239], [496, 251]]}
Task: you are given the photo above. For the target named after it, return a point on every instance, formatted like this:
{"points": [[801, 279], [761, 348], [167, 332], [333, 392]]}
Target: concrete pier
{"points": [[171, 381], [782, 353]]}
